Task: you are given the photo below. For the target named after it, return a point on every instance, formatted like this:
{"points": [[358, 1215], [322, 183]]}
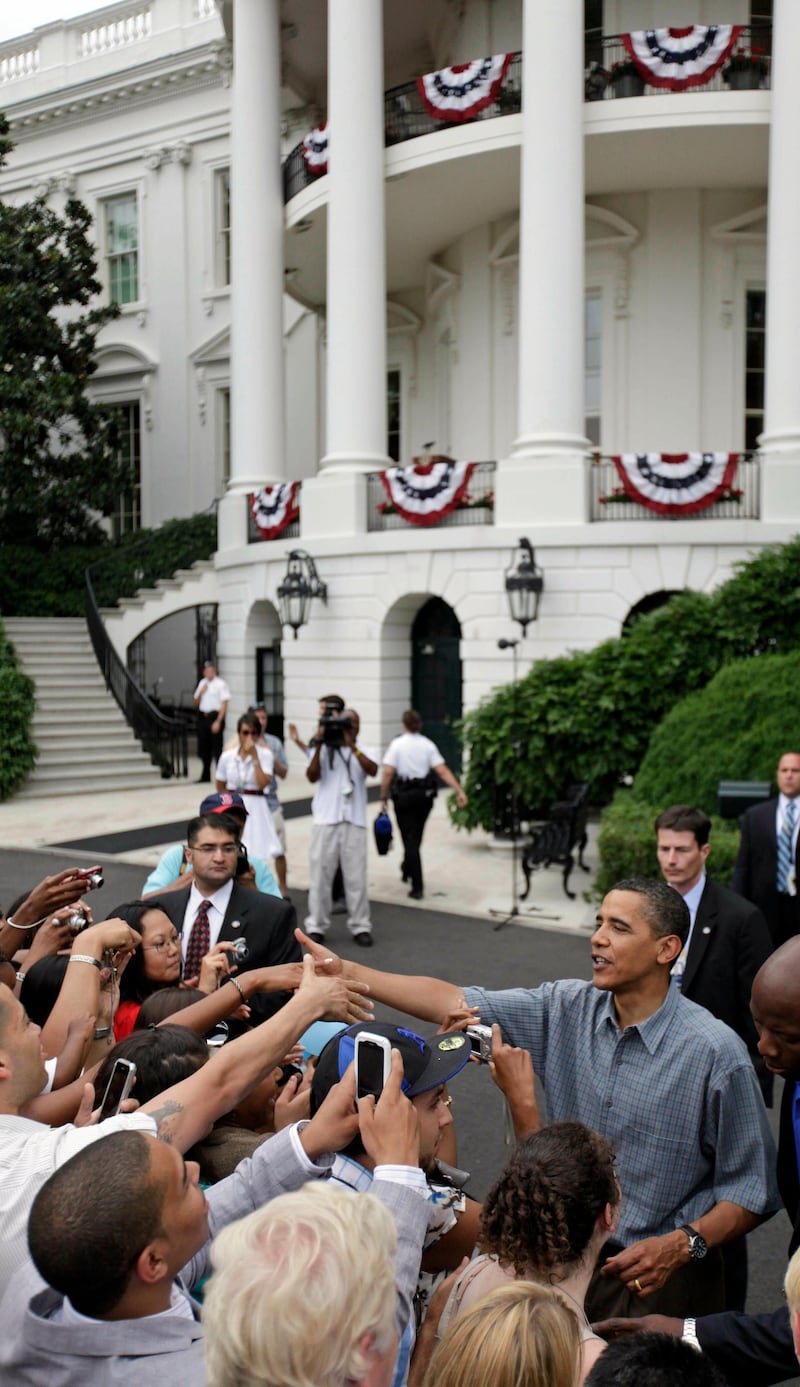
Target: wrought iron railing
{"points": [[607, 500], [164, 739], [405, 116], [477, 508], [608, 63]]}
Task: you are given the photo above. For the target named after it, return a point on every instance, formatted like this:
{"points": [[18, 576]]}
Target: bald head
{"points": [[775, 1004]]}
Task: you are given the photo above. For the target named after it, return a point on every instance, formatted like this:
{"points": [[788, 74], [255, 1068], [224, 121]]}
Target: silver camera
{"points": [[77, 921], [240, 951], [480, 1039]]}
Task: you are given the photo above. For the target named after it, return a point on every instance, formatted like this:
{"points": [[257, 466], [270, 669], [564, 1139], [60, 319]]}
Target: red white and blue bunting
{"points": [[681, 58], [676, 483], [275, 507], [458, 93], [428, 491], [315, 149]]}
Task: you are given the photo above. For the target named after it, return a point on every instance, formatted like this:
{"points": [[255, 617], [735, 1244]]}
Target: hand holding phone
{"points": [[118, 1088], [373, 1056]]}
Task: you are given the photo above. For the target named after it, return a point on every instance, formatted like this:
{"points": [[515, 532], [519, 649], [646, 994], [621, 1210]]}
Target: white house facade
{"points": [[572, 274]]}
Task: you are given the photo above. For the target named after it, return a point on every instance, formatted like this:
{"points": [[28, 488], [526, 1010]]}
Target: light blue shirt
{"points": [[676, 1095]]}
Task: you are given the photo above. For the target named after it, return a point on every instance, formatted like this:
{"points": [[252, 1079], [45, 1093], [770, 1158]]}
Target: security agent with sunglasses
{"points": [[427, 1066], [214, 908]]}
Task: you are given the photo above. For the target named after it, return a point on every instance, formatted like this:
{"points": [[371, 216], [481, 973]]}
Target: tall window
{"points": [[393, 415], [127, 515], [222, 194], [593, 30], [755, 345], [122, 248], [592, 358], [224, 439]]}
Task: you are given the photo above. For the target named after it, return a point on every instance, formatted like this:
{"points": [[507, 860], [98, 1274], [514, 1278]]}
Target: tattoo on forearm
{"points": [[160, 1116]]}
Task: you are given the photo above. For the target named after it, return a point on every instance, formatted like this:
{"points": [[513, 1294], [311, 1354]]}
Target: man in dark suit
{"points": [[757, 1350], [767, 872], [727, 943], [728, 937], [214, 908]]}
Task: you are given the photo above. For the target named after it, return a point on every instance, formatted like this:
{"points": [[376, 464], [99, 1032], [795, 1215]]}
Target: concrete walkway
{"points": [[464, 873]]}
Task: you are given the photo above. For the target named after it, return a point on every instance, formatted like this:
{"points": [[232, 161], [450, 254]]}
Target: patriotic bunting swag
{"points": [[676, 483], [275, 507], [459, 93], [681, 58], [428, 491], [315, 149]]}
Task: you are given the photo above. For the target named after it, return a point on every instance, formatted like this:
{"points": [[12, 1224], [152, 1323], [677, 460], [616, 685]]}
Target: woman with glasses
{"points": [[247, 767], [156, 963]]}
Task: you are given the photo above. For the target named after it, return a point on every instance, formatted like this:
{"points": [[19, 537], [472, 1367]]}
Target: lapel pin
{"points": [[706, 929]]}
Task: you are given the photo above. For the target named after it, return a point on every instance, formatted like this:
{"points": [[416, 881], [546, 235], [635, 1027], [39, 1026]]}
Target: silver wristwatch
{"points": [[689, 1335]]}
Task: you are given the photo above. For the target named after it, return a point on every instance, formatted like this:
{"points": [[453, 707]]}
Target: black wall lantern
{"points": [[300, 584], [524, 585]]}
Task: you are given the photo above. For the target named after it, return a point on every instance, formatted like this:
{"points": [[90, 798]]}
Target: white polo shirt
{"points": [[330, 805], [215, 693], [411, 755]]}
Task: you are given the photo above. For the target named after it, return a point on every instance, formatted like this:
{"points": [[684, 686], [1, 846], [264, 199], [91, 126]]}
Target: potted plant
{"points": [[509, 99], [626, 79], [746, 69]]}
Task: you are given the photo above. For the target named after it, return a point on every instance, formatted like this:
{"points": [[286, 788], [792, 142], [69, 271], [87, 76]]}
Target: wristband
{"points": [[86, 958], [35, 924], [102, 1032], [689, 1335], [238, 987], [21, 975]]}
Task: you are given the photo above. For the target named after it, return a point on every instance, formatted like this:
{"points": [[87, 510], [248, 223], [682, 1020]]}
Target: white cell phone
{"points": [[373, 1063], [117, 1088]]}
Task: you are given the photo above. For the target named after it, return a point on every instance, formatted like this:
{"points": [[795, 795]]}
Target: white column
{"points": [[356, 289], [257, 389], [544, 476], [780, 441]]}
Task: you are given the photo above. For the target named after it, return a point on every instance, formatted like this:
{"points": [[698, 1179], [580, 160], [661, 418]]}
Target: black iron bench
{"points": [[556, 839]]}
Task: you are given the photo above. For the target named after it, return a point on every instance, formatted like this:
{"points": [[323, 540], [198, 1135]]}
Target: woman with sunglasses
{"points": [[247, 768]]}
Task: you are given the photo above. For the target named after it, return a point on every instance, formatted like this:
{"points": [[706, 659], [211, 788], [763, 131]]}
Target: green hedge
{"points": [[590, 715], [17, 751], [735, 729], [35, 584], [627, 842]]}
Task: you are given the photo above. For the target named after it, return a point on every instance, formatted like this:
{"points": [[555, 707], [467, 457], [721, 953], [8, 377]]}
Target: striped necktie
{"points": [[199, 939], [785, 855]]}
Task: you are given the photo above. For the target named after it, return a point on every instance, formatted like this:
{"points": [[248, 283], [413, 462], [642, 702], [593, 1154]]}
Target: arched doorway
{"points": [[436, 675], [650, 603]]}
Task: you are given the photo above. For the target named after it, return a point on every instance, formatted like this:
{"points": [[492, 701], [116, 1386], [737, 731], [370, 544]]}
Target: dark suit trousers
{"points": [[412, 813], [209, 744]]}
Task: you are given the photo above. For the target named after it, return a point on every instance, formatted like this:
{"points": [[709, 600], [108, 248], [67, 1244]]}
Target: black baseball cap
{"points": [[426, 1063]]}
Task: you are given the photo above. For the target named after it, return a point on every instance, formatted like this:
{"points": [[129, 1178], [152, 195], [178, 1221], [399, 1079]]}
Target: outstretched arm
{"points": [[430, 999]]}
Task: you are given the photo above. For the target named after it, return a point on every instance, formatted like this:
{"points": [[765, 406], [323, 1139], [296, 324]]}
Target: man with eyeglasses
{"points": [[214, 908]]}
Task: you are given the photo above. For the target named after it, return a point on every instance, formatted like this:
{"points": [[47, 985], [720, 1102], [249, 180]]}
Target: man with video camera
{"points": [[339, 768]]}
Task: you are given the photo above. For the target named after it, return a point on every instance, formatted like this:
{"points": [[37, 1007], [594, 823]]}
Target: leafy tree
{"points": [[58, 461]]}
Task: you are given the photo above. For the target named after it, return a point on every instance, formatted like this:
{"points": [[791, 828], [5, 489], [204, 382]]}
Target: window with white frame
{"points": [[393, 412], [222, 224], [127, 515], [592, 367], [754, 354], [121, 217]]}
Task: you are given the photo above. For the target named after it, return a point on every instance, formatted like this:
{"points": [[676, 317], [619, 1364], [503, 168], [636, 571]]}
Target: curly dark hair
{"points": [[541, 1213]]}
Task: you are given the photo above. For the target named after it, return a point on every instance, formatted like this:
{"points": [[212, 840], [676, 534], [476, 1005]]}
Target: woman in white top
{"points": [[546, 1220], [248, 769]]}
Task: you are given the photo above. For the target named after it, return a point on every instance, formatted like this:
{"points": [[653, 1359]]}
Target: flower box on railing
{"points": [[626, 79], [745, 71]]}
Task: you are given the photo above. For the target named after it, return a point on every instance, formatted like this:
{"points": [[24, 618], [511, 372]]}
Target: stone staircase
{"points": [[85, 744]]}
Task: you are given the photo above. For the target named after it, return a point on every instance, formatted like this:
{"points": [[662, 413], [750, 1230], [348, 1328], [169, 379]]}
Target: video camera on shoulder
{"points": [[333, 726]]}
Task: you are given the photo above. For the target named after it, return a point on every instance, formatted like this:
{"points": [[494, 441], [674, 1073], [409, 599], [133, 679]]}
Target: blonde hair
{"points": [[295, 1288], [517, 1333], [791, 1283]]}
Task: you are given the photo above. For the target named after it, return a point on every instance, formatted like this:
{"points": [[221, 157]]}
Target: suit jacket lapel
{"points": [[236, 916], [705, 919]]}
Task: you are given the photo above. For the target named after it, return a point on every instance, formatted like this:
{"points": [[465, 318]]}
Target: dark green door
{"points": [[436, 676]]}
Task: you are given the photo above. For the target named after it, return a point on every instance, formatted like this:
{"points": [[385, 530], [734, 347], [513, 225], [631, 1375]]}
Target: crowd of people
{"points": [[219, 1168]]}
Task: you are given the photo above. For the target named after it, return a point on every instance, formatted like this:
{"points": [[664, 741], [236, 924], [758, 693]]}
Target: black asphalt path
{"points": [[465, 950]]}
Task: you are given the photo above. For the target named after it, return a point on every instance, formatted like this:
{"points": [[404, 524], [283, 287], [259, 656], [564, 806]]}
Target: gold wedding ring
{"points": [[637, 1283]]}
